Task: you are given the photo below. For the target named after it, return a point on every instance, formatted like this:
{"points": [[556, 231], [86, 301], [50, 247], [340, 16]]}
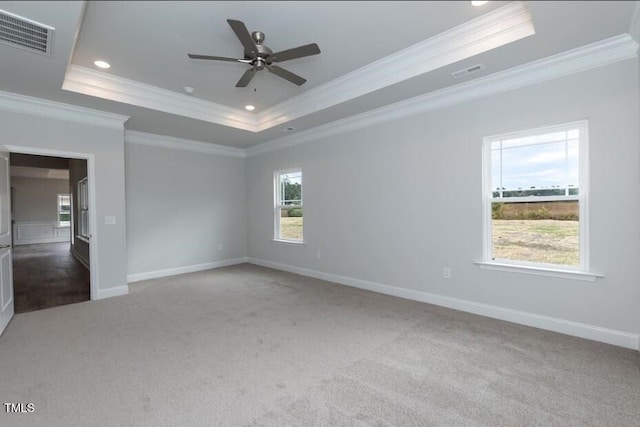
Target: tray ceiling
{"points": [[373, 54]]}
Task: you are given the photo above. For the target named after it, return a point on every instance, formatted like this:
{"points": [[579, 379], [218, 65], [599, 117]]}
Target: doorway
{"points": [[50, 231]]}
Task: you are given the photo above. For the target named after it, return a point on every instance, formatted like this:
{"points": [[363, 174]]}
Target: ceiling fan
{"points": [[260, 56]]}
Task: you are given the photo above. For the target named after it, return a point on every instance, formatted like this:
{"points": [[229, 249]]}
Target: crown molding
{"points": [[57, 110], [597, 54], [153, 140], [103, 85], [491, 30]]}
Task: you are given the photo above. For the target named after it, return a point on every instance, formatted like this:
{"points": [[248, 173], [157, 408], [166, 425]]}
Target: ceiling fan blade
{"points": [[246, 77], [287, 75], [243, 34], [296, 52], [218, 58]]}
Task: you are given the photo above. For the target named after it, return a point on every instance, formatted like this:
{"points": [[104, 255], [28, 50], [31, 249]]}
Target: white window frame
{"points": [[278, 205], [64, 223], [84, 228], [582, 270]]}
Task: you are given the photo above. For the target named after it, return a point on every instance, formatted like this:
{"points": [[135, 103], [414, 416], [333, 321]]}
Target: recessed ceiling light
{"points": [[102, 64], [479, 2], [249, 107]]}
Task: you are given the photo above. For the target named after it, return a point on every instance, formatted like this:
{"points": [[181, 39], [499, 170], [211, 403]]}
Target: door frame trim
{"points": [[93, 216]]}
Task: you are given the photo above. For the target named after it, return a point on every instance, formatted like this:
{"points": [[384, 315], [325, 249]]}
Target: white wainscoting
{"points": [[26, 233]]}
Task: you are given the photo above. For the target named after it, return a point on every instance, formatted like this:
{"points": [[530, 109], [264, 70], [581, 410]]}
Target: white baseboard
{"points": [[568, 327], [187, 269], [113, 292]]}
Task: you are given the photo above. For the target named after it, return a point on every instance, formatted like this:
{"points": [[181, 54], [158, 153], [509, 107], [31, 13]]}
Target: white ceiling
{"points": [[147, 42], [349, 34]]}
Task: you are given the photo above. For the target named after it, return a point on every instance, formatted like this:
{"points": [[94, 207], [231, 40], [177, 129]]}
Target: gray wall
{"points": [[181, 206], [77, 172], [107, 145], [36, 199], [396, 202]]}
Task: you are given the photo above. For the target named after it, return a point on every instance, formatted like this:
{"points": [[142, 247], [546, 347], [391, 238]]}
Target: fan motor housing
{"points": [[263, 51]]}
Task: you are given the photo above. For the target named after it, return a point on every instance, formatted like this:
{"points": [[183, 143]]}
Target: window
{"points": [[288, 205], [535, 188], [83, 208], [64, 210]]}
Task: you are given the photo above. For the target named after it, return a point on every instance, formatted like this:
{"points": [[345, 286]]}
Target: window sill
{"points": [[84, 239], [289, 242], [540, 271]]}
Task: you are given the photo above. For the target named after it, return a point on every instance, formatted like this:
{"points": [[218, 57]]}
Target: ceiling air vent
{"points": [[25, 34], [467, 71]]}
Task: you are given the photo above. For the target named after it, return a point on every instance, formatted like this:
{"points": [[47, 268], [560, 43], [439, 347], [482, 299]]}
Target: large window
{"points": [[83, 208], [288, 205], [64, 210], [535, 187]]}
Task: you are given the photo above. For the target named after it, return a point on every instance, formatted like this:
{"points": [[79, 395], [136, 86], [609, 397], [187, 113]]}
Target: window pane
{"points": [[534, 167], [495, 169], [291, 224], [291, 188], [65, 202], [572, 166], [84, 223], [543, 232]]}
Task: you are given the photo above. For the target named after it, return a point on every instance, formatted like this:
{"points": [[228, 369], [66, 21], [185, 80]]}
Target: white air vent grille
{"points": [[467, 71], [26, 34]]}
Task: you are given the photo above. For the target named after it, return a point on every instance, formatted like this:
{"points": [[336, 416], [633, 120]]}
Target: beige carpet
{"points": [[246, 345]]}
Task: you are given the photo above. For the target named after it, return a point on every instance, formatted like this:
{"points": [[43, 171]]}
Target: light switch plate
{"points": [[108, 219]]}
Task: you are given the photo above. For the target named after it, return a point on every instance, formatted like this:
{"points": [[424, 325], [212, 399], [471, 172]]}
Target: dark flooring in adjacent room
{"points": [[47, 275]]}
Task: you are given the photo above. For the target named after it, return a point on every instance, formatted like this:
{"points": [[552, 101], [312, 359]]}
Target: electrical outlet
{"points": [[220, 247], [446, 272], [318, 254]]}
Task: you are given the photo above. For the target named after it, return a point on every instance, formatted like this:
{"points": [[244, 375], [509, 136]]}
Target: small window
{"points": [[288, 205], [535, 188], [83, 208], [64, 210]]}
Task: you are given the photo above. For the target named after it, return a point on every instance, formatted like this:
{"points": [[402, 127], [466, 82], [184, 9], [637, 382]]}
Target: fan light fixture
{"points": [[260, 57], [102, 64], [479, 2], [249, 107]]}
